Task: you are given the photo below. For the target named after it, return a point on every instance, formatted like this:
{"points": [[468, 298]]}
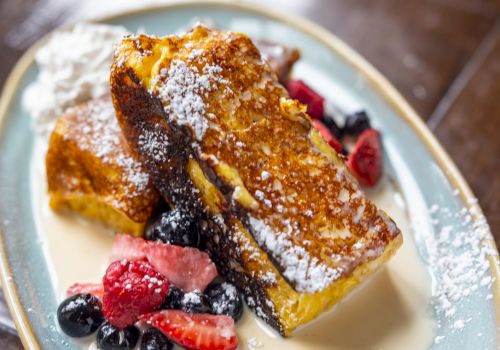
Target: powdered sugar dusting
{"points": [[458, 258], [220, 304], [181, 88], [154, 143], [307, 273], [101, 137]]}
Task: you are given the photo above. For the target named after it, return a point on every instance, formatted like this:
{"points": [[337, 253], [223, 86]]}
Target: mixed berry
{"points": [[160, 287], [365, 159]]}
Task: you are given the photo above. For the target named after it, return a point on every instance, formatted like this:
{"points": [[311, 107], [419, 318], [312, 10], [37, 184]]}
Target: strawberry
{"points": [[188, 268], [327, 135], [298, 90], [365, 161], [131, 288], [195, 331], [127, 247], [85, 288]]}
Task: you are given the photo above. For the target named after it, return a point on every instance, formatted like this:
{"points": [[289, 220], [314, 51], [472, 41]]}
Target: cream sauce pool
{"points": [[389, 311]]}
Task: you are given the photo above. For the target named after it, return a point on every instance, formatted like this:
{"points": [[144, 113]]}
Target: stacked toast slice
{"points": [[219, 136]]}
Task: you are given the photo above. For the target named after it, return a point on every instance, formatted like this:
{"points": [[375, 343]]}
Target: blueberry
{"points": [[173, 299], [195, 303], [225, 300], [153, 339], [175, 227], [356, 123], [332, 126], [111, 338], [80, 315]]}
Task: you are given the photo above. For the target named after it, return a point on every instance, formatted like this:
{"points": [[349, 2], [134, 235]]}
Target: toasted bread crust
{"points": [[91, 171], [287, 222]]}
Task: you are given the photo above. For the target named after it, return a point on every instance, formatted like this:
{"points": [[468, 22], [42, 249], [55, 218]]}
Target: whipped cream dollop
{"points": [[73, 68]]}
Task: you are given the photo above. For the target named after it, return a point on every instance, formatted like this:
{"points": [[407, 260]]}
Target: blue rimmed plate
{"points": [[452, 238]]}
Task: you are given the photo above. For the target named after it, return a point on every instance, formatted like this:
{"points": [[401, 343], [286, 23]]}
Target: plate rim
{"points": [[375, 78]]}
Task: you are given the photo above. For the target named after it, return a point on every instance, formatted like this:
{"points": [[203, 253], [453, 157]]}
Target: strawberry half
{"points": [[187, 268], [327, 135], [127, 247], [366, 161], [85, 288], [299, 90], [131, 288], [195, 331]]}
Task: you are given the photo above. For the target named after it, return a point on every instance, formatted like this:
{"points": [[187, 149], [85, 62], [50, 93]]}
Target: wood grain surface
{"points": [[442, 55]]}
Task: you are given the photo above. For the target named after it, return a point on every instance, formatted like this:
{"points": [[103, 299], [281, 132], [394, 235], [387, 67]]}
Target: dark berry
{"points": [[175, 227], [332, 126], [356, 123], [173, 299], [153, 339], [225, 300], [111, 338], [80, 315], [195, 303]]}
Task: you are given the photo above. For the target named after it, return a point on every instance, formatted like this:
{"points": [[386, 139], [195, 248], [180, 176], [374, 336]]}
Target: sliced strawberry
{"points": [[366, 161], [195, 331], [298, 90], [127, 247], [327, 135], [85, 288], [188, 268], [131, 288]]}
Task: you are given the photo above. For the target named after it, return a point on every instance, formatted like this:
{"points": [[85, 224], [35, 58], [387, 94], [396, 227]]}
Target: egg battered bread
{"points": [[91, 171], [283, 218]]}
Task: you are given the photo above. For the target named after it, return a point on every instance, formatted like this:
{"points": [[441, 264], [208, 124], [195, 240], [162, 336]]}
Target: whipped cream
{"points": [[73, 68]]}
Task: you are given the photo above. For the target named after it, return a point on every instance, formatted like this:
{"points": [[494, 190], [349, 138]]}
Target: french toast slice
{"points": [[91, 171], [280, 58], [283, 218]]}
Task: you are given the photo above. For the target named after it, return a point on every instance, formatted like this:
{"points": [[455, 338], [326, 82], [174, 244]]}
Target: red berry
{"points": [[365, 161], [187, 268], [327, 135], [195, 331], [131, 288], [127, 247], [298, 90], [85, 288]]}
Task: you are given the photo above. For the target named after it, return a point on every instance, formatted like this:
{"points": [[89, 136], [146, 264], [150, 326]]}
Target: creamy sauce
{"points": [[389, 311]]}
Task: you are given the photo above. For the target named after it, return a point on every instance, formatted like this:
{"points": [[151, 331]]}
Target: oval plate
{"points": [[423, 170]]}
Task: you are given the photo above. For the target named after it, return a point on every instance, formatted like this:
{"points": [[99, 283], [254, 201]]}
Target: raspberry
{"points": [[131, 288]]}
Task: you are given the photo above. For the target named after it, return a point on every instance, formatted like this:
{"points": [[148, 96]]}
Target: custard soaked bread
{"points": [[284, 219], [91, 171]]}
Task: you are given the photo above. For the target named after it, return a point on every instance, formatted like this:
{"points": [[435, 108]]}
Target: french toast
{"points": [[283, 218], [91, 171], [279, 57]]}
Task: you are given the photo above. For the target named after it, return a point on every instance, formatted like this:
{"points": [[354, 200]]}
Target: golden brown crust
{"points": [[88, 161], [289, 224]]}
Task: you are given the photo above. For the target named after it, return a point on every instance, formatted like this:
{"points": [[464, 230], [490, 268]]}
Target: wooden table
{"points": [[442, 55]]}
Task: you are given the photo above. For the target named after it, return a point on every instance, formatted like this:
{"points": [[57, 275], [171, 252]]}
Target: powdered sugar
{"points": [[220, 304], [181, 88], [100, 135], [154, 143], [307, 273], [458, 258]]}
